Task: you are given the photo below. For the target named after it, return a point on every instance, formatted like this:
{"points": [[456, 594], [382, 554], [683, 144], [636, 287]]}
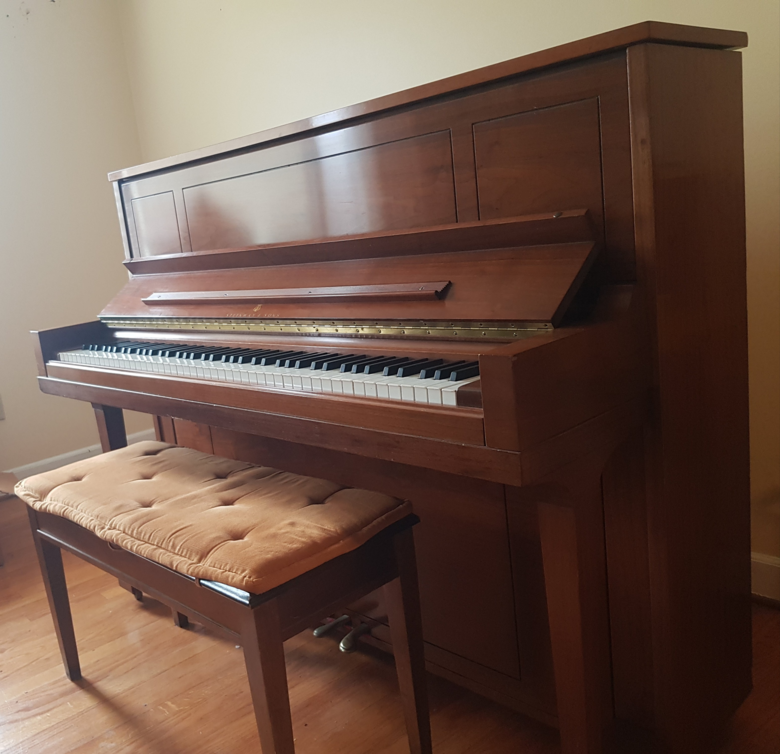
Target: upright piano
{"points": [[515, 297]]}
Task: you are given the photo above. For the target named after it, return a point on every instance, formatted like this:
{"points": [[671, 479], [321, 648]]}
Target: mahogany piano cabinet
{"points": [[515, 297]]}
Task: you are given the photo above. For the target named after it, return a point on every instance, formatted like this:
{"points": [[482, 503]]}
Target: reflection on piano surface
{"points": [[515, 297]]}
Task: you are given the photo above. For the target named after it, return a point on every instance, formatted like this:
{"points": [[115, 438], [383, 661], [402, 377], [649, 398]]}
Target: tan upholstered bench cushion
{"points": [[251, 527]]}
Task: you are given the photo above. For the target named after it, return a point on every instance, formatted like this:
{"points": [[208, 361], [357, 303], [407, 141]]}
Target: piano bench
{"points": [[258, 553]]}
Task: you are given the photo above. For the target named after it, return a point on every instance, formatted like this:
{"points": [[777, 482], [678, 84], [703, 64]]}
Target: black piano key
{"points": [[183, 351], [407, 370], [318, 362], [359, 365], [378, 366], [257, 360], [272, 358], [222, 354], [290, 357], [211, 354], [248, 355], [305, 362], [360, 368], [157, 349], [390, 369], [130, 347], [215, 353], [191, 352], [447, 366], [331, 364], [172, 351], [463, 373]]}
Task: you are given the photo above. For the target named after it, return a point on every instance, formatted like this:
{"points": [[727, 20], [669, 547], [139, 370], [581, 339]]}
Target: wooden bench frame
{"points": [[262, 623]]}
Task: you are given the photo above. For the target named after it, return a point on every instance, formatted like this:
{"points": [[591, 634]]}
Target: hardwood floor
{"points": [[152, 688]]}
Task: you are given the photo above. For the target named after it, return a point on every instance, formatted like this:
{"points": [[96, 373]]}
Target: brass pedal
{"points": [[330, 626], [350, 641]]}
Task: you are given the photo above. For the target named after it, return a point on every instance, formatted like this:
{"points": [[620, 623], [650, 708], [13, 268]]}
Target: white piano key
{"points": [[449, 393], [407, 389]]}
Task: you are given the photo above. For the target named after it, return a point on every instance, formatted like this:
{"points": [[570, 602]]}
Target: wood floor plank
{"points": [[152, 688]]}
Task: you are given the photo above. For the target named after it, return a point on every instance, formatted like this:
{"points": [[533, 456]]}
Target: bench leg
{"points": [[261, 638], [402, 600], [50, 561], [180, 619]]}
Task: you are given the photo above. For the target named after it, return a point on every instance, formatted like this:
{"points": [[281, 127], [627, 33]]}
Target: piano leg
{"points": [[111, 427], [572, 539], [50, 561]]}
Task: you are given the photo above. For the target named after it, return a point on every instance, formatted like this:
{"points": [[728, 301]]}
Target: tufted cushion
{"points": [[248, 526]]}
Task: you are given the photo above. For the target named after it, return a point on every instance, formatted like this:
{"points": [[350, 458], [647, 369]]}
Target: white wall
{"points": [[66, 119]]}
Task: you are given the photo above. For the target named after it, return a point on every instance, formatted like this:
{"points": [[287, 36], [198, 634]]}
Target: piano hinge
{"points": [[352, 328]]}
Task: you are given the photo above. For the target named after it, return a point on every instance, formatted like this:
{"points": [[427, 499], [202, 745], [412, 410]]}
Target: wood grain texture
{"points": [[264, 620], [403, 604], [698, 463], [462, 549], [53, 576], [558, 227], [538, 161], [111, 426], [601, 139], [472, 461], [264, 658], [453, 424], [514, 285]]}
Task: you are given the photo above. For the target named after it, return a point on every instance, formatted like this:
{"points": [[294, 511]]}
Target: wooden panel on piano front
{"points": [[417, 168], [540, 161], [356, 180], [401, 184], [463, 549], [532, 284], [156, 225]]}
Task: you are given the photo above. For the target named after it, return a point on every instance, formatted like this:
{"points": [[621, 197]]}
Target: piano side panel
{"points": [[688, 143]]}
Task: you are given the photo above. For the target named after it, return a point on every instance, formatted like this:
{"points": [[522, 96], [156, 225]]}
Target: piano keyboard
{"points": [[415, 380]]}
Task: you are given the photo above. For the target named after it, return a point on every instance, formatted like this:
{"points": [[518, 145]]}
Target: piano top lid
{"points": [[627, 36]]}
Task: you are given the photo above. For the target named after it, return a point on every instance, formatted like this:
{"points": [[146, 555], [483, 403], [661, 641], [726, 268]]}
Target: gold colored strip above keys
{"points": [[440, 330]]}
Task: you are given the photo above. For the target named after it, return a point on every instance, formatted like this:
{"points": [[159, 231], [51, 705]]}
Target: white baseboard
{"points": [[765, 571], [47, 464]]}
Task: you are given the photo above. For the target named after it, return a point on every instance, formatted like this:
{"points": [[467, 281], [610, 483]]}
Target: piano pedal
{"points": [[331, 625], [350, 641]]}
